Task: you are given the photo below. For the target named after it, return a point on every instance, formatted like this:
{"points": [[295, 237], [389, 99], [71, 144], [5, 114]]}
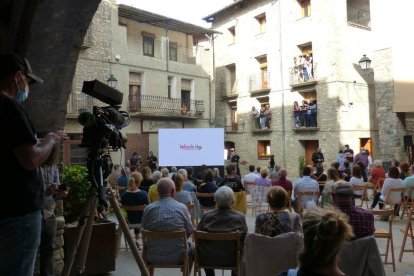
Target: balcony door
{"points": [[310, 148], [185, 102]]}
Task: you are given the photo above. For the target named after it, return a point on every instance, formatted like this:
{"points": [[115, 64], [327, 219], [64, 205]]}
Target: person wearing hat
{"points": [[361, 220], [22, 154]]}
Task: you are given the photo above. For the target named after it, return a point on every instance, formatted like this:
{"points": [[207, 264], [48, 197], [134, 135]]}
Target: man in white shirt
{"points": [[251, 176], [306, 184], [408, 182]]}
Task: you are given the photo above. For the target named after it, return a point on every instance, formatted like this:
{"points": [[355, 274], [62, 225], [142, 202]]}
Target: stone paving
{"points": [[126, 266]]}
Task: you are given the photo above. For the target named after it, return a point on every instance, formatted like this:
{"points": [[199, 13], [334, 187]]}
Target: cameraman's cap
{"points": [[12, 63], [343, 188]]}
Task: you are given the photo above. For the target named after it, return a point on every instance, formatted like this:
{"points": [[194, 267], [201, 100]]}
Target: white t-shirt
{"points": [[392, 183], [355, 181]]}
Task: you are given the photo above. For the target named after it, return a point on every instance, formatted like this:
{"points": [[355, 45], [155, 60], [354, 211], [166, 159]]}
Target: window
{"points": [[233, 118], [173, 51], [306, 7], [263, 72], [186, 97], [134, 96], [232, 71], [132, 41], [148, 45], [170, 84], [261, 19], [263, 149], [232, 33], [358, 12]]}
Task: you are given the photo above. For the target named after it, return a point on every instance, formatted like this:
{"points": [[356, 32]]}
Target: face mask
{"points": [[22, 95]]}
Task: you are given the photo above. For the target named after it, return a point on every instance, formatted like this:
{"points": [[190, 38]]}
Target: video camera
{"points": [[101, 129]]}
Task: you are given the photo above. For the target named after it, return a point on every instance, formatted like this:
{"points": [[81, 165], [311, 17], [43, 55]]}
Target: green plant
{"points": [[75, 178], [302, 164]]}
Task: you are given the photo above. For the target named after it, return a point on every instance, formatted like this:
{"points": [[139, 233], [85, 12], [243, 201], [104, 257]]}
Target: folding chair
{"points": [[311, 195], [407, 201], [361, 189], [389, 202], [205, 195], [249, 187], [240, 203], [259, 197], [386, 234], [190, 208], [133, 226], [408, 232], [165, 236], [201, 260]]}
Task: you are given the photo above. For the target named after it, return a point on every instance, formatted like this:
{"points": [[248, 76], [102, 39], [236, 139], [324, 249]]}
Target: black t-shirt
{"points": [[22, 190], [134, 199], [349, 151], [234, 183]]}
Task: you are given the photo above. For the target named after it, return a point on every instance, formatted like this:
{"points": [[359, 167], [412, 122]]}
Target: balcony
{"points": [[299, 75], [259, 83], [157, 106], [234, 128], [229, 90], [79, 102], [257, 128], [182, 55], [305, 122]]}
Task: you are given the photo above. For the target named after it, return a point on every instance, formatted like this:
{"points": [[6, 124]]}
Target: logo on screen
{"points": [[190, 147]]}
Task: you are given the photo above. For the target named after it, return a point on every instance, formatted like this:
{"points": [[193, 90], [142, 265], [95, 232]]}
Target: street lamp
{"points": [[112, 81], [365, 63]]}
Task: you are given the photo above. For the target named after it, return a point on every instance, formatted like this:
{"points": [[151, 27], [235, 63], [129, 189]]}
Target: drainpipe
{"points": [[283, 138], [214, 78]]}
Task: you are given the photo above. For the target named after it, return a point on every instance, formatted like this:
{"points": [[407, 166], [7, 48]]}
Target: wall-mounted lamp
{"points": [[365, 63], [112, 81]]}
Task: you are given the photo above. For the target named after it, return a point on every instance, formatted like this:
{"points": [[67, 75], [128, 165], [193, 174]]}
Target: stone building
{"points": [[155, 60], [278, 52]]}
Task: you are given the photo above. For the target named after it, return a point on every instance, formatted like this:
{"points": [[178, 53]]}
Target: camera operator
{"points": [[22, 154]]}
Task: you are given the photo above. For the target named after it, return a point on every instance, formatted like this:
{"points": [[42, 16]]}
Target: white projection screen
{"points": [[191, 146]]}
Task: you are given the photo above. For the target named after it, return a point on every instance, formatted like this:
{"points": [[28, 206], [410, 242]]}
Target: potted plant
{"points": [[302, 164]]}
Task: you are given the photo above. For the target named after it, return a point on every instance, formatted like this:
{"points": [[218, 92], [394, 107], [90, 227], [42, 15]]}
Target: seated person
{"points": [[282, 181], [166, 214], [147, 180], [181, 196], [123, 180], [134, 197], [357, 180], [324, 233], [305, 184], [361, 220], [153, 193], [221, 219], [393, 181], [278, 220], [113, 178], [207, 187], [231, 179], [333, 177]]}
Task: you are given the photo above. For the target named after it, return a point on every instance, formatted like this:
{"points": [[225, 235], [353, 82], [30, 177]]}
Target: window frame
{"points": [[148, 41], [172, 48], [262, 149]]}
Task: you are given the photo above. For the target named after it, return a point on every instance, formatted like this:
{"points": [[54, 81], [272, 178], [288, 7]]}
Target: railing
{"points": [[234, 128], [300, 74], [79, 102], [257, 126], [164, 106], [303, 120], [259, 81]]}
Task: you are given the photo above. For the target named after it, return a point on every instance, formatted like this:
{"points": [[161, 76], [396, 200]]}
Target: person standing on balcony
{"points": [[262, 117], [309, 66], [302, 62], [256, 117], [296, 114], [304, 110], [268, 116], [313, 113]]}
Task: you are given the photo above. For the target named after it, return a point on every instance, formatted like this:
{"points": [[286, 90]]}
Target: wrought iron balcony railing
{"points": [[259, 81], [79, 102], [163, 106]]}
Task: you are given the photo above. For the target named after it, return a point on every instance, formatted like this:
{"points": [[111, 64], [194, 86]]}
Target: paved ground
{"points": [[126, 266]]}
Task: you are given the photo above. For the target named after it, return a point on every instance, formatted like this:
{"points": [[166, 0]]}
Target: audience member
{"points": [[134, 197], [357, 180], [153, 192], [230, 180], [340, 158], [332, 179], [324, 232], [318, 159], [173, 171], [346, 174], [234, 158], [408, 182], [404, 168], [188, 185], [201, 174], [393, 181], [190, 172], [114, 176], [319, 174], [223, 220], [165, 172], [282, 181], [181, 195], [123, 179], [278, 220], [306, 184], [361, 220], [207, 187], [166, 214], [217, 179], [147, 180]]}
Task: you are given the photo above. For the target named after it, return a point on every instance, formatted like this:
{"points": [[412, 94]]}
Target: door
{"points": [[367, 144], [310, 148], [137, 143]]}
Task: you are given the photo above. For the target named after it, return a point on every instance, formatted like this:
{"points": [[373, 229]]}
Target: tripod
{"points": [[97, 164]]}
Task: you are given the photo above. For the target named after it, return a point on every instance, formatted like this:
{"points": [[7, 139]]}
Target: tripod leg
{"points": [[82, 242], [128, 236]]}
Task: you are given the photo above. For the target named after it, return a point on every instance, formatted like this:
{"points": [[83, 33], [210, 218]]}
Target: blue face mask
{"points": [[22, 95]]}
